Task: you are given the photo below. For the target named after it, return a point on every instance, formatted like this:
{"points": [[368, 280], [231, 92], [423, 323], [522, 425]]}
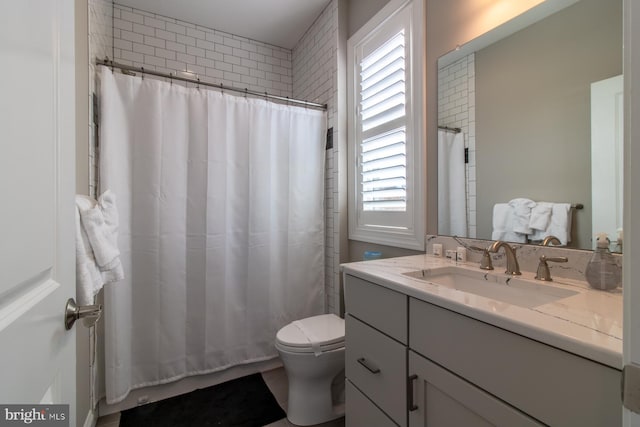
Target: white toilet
{"points": [[312, 351]]}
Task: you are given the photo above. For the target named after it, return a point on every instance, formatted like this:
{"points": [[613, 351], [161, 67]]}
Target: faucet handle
{"points": [[543, 268], [485, 263]]}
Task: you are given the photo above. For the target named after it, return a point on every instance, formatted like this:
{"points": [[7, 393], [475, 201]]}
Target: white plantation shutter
{"points": [[382, 102], [385, 172], [383, 84]]}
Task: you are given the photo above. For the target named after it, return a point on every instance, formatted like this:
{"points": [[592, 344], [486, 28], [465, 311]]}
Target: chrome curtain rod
{"points": [[128, 68], [448, 129]]}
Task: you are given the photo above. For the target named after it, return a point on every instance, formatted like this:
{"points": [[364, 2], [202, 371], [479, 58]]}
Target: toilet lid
{"points": [[317, 331]]}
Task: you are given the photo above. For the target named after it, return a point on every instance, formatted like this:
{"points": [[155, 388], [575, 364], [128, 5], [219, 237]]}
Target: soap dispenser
{"points": [[602, 271]]}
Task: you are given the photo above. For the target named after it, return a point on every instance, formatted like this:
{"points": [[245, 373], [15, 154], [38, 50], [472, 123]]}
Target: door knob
{"points": [[73, 312]]}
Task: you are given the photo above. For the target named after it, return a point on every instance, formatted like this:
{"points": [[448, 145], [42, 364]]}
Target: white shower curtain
{"points": [[452, 194], [221, 227]]}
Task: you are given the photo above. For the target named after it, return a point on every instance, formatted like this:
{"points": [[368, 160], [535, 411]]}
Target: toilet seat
{"points": [[312, 335]]}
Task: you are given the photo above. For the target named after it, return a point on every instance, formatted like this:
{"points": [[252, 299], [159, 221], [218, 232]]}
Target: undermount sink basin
{"points": [[513, 290]]}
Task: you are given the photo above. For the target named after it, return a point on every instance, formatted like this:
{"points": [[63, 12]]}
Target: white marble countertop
{"points": [[588, 323]]}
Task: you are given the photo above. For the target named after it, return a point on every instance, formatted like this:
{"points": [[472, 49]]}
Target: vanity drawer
{"points": [[362, 412], [382, 308], [376, 365], [550, 385]]}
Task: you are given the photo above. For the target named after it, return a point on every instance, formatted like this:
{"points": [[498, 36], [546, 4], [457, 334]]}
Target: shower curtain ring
{"points": [[245, 93], [266, 96], [198, 87], [171, 78], [222, 88], [142, 68], [107, 60]]}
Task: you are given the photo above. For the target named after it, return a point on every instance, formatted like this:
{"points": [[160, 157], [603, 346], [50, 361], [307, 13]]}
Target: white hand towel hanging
{"points": [[101, 225], [97, 254], [88, 276]]}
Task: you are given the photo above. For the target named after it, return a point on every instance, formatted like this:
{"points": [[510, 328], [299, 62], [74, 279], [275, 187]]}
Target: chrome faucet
{"points": [[512, 262], [551, 240]]}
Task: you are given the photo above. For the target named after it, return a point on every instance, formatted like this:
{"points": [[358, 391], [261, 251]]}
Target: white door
{"points": [[37, 149], [606, 156]]}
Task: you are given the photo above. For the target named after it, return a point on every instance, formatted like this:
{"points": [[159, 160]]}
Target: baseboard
{"points": [[164, 391], [91, 420]]}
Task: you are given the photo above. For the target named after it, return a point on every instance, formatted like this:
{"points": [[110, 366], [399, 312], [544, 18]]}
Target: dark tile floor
{"points": [[277, 382]]}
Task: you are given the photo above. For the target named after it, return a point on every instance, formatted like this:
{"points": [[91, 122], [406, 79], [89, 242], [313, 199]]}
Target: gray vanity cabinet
{"points": [[551, 385], [410, 363], [440, 399]]}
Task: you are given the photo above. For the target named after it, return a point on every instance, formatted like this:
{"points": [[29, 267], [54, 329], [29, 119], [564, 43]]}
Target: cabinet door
{"points": [[441, 399], [553, 386]]}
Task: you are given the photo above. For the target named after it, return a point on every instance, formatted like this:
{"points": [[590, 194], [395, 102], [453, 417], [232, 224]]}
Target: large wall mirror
{"points": [[530, 128]]}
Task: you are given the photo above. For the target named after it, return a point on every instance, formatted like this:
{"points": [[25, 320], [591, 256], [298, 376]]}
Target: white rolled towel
{"points": [[503, 224], [522, 215], [540, 216]]}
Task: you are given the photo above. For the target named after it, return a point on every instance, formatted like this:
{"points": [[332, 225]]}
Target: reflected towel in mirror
{"points": [[522, 215], [559, 224], [503, 219], [540, 216]]}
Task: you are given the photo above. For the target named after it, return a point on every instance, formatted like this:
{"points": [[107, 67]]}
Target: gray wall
{"points": [[533, 110], [360, 11]]}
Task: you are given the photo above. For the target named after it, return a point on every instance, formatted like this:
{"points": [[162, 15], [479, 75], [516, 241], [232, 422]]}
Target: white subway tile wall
{"points": [[456, 108], [159, 43], [315, 65], [100, 28]]}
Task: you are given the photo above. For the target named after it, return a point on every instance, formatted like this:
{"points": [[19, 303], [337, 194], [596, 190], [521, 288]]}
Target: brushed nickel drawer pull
{"points": [[410, 405], [364, 363]]}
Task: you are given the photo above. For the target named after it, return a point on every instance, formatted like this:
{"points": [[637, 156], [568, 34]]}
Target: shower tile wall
{"points": [[165, 44], [100, 27], [315, 67], [456, 108]]}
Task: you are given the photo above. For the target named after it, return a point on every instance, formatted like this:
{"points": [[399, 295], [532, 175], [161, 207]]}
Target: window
{"points": [[386, 204]]}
